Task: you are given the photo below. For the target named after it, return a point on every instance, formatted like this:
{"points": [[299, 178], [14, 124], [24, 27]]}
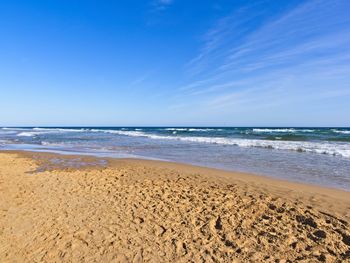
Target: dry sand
{"points": [[146, 211]]}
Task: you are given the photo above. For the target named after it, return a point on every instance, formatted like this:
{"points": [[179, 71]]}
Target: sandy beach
{"points": [[56, 208]]}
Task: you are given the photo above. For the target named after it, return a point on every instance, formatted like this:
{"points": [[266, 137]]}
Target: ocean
{"points": [[318, 156]]}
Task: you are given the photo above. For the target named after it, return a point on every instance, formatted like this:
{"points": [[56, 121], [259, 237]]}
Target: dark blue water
{"points": [[312, 155]]}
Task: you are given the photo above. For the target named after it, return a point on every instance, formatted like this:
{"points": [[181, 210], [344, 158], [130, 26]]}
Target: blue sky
{"points": [[175, 62]]}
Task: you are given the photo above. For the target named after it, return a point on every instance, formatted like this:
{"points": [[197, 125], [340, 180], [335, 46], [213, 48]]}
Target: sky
{"points": [[174, 63]]}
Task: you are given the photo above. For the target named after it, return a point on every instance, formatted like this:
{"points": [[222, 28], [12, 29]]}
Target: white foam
{"points": [[26, 134], [31, 134], [336, 149], [122, 132], [331, 148], [313, 147], [192, 129], [59, 130], [341, 131], [52, 144], [282, 130], [176, 129], [3, 142], [40, 131], [203, 130]]}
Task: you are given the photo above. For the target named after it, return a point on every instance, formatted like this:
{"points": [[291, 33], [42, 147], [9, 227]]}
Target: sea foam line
{"points": [[192, 129], [282, 130], [341, 131], [336, 149], [40, 131]]}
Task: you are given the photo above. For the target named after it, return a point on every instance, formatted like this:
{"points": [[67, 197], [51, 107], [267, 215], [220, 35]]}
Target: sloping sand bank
{"points": [[146, 211]]}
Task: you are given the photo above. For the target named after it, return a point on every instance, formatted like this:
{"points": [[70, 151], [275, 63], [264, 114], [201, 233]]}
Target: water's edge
{"points": [[319, 156]]}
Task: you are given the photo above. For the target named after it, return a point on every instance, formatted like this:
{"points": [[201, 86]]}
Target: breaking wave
{"points": [[290, 140], [282, 130], [336, 149], [192, 129], [40, 131], [341, 131]]}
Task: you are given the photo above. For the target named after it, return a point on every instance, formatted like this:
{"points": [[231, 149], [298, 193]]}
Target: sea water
{"points": [[309, 155]]}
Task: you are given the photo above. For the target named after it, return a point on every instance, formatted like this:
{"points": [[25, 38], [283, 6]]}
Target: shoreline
{"points": [[272, 180], [306, 155], [72, 207], [308, 193]]}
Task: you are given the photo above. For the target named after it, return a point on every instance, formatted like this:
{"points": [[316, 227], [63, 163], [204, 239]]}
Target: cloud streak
{"points": [[298, 55], [159, 5]]}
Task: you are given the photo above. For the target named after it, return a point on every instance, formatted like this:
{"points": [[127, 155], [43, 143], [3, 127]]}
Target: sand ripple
{"points": [[136, 213]]}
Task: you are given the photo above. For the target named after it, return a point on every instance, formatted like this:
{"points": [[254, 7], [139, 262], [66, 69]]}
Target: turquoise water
{"points": [[312, 155]]}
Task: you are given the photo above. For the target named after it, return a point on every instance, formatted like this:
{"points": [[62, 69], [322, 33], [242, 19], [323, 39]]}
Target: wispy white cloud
{"points": [[139, 83], [140, 80], [227, 31], [299, 54], [159, 5]]}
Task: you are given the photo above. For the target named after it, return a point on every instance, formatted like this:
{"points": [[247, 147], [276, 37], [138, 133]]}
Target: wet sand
{"points": [[56, 208]]}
